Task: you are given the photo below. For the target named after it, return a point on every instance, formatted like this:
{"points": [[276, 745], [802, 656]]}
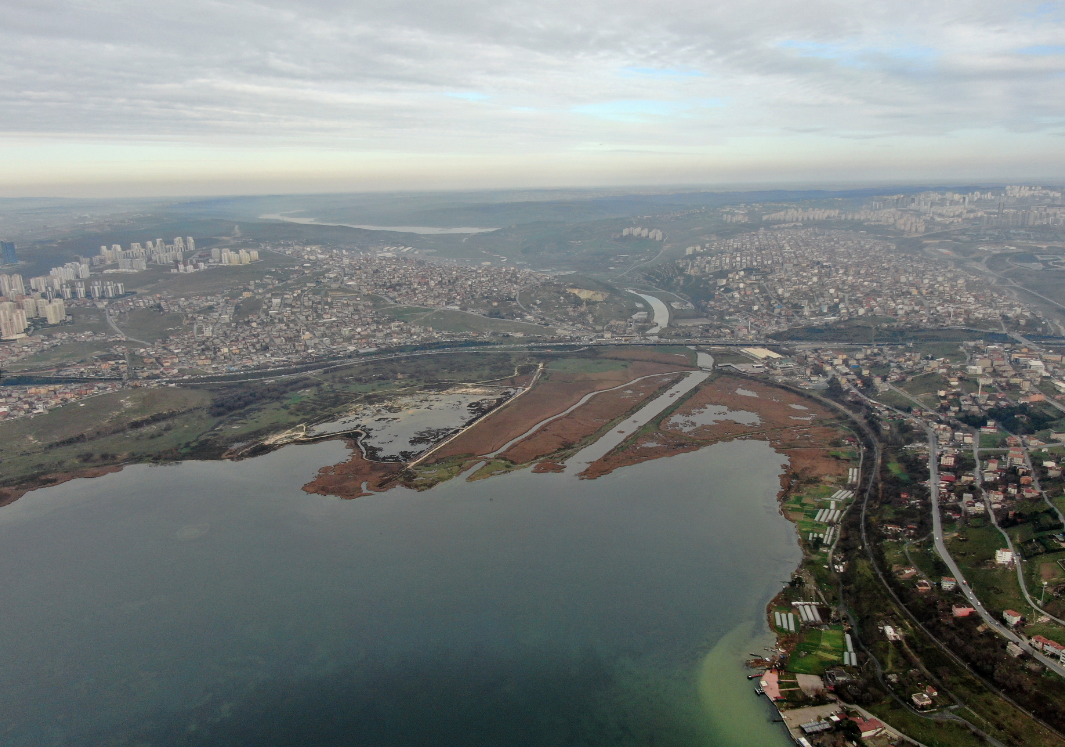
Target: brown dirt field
{"points": [[584, 421], [555, 392], [803, 441], [1049, 571], [772, 405], [10, 495], [814, 463], [346, 480]]}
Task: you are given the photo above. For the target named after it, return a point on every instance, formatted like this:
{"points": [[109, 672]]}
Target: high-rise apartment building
{"points": [[11, 286], [8, 256], [55, 311]]}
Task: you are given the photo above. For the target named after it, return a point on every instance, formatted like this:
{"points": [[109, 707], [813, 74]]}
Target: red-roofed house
{"points": [[870, 728], [1011, 617], [1047, 646]]}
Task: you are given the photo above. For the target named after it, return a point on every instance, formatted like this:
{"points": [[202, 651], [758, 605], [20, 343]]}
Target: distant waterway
{"points": [[661, 312], [215, 603], [428, 230]]}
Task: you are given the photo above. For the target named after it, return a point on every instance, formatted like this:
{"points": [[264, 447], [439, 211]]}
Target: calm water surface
{"points": [[212, 603]]}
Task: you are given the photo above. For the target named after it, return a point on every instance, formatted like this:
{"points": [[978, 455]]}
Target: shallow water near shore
{"points": [[216, 603]]}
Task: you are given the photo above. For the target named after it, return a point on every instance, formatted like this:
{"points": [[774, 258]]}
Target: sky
{"points": [[130, 98]]}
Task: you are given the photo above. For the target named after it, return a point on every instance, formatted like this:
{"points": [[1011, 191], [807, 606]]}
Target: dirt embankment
{"points": [[585, 420], [356, 477], [793, 424], [555, 392], [10, 495]]}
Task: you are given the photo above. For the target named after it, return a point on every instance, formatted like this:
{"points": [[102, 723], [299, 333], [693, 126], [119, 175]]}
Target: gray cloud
{"points": [[431, 77]]}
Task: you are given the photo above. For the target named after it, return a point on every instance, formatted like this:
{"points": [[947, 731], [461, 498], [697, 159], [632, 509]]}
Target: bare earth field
{"points": [[555, 392], [803, 434], [724, 408], [561, 386], [585, 421]]}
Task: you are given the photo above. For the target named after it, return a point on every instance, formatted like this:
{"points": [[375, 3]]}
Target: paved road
{"points": [[111, 323], [1019, 565], [941, 549], [644, 262]]}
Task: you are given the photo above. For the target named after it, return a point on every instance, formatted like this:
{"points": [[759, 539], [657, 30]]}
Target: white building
{"points": [[55, 311]]}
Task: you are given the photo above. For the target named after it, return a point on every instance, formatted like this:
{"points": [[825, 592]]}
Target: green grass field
{"points": [[85, 320], [818, 651], [150, 325], [71, 352], [925, 384], [950, 350], [894, 399], [992, 440], [899, 471], [96, 430], [586, 365]]}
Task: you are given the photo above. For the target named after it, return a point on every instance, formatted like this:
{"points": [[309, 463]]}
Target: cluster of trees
{"points": [[1021, 419], [110, 430], [240, 397]]}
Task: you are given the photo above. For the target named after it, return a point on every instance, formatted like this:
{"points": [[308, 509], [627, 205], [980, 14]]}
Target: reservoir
{"points": [[215, 603]]}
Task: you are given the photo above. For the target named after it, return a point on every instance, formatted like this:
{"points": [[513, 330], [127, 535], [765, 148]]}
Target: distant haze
{"points": [[112, 97]]}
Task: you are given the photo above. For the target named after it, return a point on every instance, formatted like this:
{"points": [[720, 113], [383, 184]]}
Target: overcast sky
{"points": [[202, 96]]}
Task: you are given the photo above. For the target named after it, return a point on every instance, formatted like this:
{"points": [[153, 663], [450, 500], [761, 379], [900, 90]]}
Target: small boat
{"points": [[759, 691], [755, 676]]}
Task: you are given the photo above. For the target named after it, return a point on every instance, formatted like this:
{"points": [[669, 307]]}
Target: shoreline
{"points": [[51, 479]]}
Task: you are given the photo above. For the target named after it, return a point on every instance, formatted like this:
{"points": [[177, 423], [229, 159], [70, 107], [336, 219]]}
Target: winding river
{"points": [[659, 308]]}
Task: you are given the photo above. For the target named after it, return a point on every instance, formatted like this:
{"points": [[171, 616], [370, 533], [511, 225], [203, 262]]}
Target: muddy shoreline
{"points": [[11, 494]]}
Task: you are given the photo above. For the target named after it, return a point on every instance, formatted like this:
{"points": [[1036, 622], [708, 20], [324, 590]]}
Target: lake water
{"points": [[215, 603]]}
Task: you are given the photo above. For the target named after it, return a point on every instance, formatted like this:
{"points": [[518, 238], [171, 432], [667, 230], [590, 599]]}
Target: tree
{"points": [[851, 730]]}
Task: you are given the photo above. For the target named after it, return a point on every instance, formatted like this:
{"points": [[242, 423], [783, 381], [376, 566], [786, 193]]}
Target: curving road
{"points": [[941, 547], [111, 323]]}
